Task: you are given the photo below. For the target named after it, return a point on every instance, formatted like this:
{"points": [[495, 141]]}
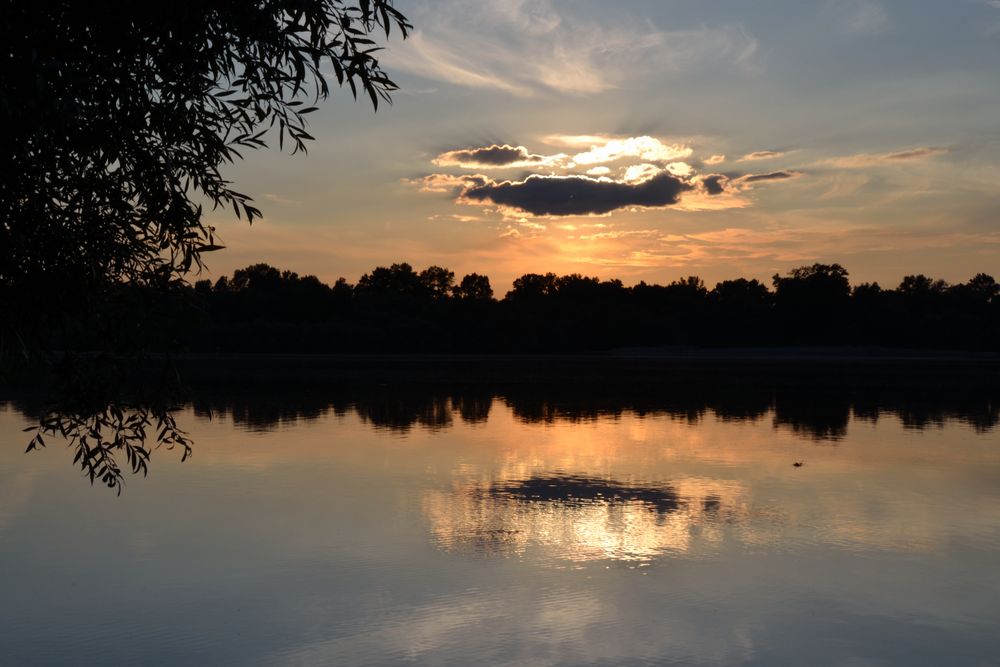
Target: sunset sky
{"points": [[647, 140]]}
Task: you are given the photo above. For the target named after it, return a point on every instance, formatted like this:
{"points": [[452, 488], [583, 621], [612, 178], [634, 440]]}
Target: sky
{"points": [[650, 140]]}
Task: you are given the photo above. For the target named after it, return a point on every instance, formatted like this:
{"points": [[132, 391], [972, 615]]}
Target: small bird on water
{"points": [[797, 464]]}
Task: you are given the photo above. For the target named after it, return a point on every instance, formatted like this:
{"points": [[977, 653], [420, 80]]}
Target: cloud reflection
{"points": [[581, 518]]}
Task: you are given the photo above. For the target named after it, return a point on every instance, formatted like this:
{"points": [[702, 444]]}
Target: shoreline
{"points": [[616, 371], [735, 354], [623, 371]]}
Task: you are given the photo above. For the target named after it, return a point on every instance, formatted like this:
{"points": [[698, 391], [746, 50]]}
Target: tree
{"points": [[532, 288], [741, 294], [811, 287], [397, 281], [438, 282], [118, 118], [984, 287], [474, 287], [920, 286], [812, 303]]}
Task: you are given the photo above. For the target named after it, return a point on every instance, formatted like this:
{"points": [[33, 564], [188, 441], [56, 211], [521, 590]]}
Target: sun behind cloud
{"points": [[611, 174]]}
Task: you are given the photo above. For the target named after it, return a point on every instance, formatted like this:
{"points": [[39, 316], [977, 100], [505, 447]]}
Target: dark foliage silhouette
{"points": [[119, 117], [400, 309], [118, 121], [104, 412]]}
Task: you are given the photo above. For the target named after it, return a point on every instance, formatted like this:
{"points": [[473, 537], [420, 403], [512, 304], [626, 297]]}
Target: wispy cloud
{"points": [[861, 17], [860, 160], [771, 176], [447, 183], [454, 216], [525, 47], [761, 155]]}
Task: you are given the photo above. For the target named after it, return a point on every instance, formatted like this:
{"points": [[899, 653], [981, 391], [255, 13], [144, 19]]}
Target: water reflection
{"points": [[818, 406], [541, 526], [821, 415], [579, 518]]}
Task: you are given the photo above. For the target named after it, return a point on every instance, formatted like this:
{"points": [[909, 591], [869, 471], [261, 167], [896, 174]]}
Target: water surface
{"points": [[458, 529]]}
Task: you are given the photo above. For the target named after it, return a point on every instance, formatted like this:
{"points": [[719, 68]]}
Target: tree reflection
{"points": [[105, 410], [99, 437], [107, 416]]}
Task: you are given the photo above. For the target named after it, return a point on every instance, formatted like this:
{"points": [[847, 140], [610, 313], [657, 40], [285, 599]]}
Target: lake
{"points": [[516, 526]]}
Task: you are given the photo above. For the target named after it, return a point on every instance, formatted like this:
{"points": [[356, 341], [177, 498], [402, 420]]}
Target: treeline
{"points": [[398, 309]]}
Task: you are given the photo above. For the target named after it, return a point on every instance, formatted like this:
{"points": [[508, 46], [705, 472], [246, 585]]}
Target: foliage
{"points": [[119, 116], [103, 411], [819, 285], [400, 309], [98, 436], [474, 288]]}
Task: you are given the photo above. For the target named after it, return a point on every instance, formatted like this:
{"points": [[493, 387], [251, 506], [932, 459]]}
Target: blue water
{"points": [[336, 538]]}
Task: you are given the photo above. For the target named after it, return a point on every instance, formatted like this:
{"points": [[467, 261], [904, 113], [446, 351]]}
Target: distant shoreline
{"points": [[620, 370], [741, 354]]}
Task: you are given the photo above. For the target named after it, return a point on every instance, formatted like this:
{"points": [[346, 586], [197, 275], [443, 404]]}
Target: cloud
{"points": [[762, 155], [874, 159], [772, 176], [637, 173], [715, 192], [578, 195], [714, 184], [622, 234], [680, 169], [862, 17], [644, 148], [494, 156], [281, 200], [575, 140], [524, 48], [447, 183], [454, 216], [715, 159], [648, 177]]}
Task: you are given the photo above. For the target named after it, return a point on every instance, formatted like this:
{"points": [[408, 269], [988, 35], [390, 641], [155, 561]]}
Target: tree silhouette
{"points": [[119, 117], [741, 294], [532, 287], [474, 287], [811, 302], [395, 283], [438, 282]]}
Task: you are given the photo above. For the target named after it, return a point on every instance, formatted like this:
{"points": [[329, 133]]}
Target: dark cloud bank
{"points": [[578, 195], [489, 156]]}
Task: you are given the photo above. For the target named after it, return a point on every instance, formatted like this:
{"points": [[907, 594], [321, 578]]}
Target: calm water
{"points": [[445, 530]]}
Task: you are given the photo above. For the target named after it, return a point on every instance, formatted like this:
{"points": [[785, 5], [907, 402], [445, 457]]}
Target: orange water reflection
{"points": [[584, 519], [635, 490]]}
